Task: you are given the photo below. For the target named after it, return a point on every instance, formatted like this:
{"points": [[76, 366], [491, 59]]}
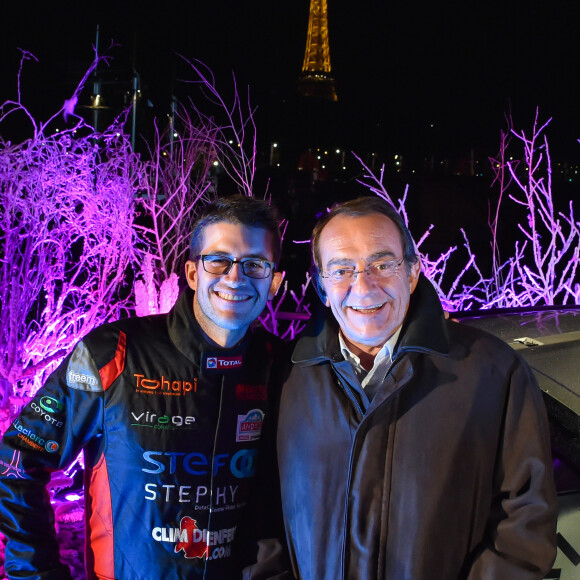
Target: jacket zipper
{"points": [[211, 486], [351, 455]]}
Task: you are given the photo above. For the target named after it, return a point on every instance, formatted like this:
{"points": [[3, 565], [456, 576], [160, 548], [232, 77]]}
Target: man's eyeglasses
{"points": [[377, 271], [221, 265]]}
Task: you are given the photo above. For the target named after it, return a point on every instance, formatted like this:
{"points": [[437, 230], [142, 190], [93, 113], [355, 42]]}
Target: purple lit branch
{"points": [[544, 267], [179, 177], [235, 143], [66, 214], [176, 179], [295, 319], [550, 252]]}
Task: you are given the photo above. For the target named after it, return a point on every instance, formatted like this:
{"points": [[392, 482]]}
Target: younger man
{"points": [[168, 410]]}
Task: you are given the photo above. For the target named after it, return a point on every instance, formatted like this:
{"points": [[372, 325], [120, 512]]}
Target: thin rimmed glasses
{"points": [[377, 271]]}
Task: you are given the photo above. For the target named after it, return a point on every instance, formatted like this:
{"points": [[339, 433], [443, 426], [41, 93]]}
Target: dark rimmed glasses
{"points": [[221, 265]]}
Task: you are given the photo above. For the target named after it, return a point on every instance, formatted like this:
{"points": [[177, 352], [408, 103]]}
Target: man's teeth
{"points": [[233, 297], [367, 309]]}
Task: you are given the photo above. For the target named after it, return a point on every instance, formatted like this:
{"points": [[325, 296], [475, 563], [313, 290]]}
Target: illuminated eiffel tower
{"points": [[316, 79]]}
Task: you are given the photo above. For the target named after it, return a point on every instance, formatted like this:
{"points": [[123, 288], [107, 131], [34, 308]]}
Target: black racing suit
{"points": [[170, 427]]}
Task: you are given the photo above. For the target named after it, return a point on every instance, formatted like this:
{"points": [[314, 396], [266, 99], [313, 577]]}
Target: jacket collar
{"points": [[190, 340], [424, 330]]}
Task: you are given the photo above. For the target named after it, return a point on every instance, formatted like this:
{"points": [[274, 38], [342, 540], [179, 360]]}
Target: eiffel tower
{"points": [[316, 79]]}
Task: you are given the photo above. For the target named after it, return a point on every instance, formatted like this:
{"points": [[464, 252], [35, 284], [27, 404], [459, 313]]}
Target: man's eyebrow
{"points": [[246, 257], [380, 255], [372, 258], [339, 262]]}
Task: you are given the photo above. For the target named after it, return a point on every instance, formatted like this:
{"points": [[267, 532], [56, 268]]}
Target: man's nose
{"points": [[362, 281], [236, 273]]}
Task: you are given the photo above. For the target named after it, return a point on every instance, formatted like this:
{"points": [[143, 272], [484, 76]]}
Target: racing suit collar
{"points": [[188, 337]]}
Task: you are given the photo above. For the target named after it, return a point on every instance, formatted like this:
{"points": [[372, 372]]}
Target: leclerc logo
{"points": [[220, 363]]}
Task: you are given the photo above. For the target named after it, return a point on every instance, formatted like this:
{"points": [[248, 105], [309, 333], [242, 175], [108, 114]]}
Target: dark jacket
{"points": [[170, 428], [445, 474]]}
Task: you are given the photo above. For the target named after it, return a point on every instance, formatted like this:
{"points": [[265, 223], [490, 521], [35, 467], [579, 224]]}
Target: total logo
{"points": [[47, 407], [34, 440], [167, 422], [164, 386], [220, 363], [242, 464], [196, 543]]}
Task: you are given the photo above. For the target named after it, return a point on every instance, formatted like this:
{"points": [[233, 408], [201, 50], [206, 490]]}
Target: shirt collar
{"points": [[386, 352]]}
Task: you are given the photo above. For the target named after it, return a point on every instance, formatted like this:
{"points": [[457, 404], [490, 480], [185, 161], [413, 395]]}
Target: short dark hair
{"points": [[240, 210], [360, 207]]}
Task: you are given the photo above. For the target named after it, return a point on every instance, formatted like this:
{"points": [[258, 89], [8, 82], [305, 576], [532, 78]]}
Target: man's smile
{"points": [[232, 297], [367, 309]]}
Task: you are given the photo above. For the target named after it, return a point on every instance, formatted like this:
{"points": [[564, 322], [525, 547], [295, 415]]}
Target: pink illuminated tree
{"points": [[66, 240], [178, 178], [544, 266], [184, 159]]}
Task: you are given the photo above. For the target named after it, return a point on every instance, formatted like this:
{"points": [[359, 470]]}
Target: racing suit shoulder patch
{"points": [[82, 373]]}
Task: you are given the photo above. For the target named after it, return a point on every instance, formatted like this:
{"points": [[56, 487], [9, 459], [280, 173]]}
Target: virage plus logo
{"points": [[164, 386], [155, 421], [220, 362]]}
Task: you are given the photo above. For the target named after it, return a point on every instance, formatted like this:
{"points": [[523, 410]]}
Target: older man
{"points": [[169, 412], [410, 447]]}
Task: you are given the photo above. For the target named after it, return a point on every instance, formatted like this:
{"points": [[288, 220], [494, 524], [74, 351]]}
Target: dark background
{"points": [[430, 81], [410, 75]]}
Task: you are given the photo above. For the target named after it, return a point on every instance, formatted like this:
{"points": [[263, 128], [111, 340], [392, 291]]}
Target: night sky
{"points": [[406, 73]]}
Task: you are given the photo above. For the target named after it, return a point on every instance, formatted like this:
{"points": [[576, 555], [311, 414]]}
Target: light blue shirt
{"points": [[381, 363]]}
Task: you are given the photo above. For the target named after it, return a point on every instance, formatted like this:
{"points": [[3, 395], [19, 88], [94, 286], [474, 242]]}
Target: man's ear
{"points": [[277, 278], [191, 274], [318, 286], [414, 275]]}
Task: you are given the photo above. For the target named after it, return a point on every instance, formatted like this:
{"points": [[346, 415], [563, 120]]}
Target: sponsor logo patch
{"points": [[81, 381], [47, 407], [226, 496], [241, 464], [50, 405], [250, 426], [164, 386], [251, 392], [220, 363], [82, 374], [34, 440], [13, 468], [51, 446], [196, 543], [164, 422]]}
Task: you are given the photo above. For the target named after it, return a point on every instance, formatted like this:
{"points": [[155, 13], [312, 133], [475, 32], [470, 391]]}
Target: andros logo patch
{"points": [[250, 426]]}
